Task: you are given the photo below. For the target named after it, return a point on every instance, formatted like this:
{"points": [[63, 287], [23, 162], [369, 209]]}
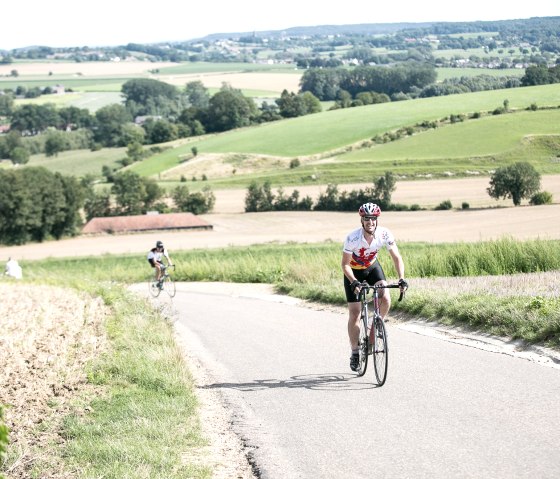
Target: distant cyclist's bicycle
{"points": [[165, 283], [373, 335]]}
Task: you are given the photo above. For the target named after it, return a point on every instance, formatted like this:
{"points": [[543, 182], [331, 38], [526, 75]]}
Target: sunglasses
{"points": [[370, 218]]}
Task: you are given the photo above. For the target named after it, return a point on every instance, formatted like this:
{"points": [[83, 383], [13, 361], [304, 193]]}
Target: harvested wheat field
{"points": [[48, 335], [484, 220], [83, 68]]}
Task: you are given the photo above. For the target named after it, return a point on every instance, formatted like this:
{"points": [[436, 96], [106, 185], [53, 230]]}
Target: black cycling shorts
{"points": [[372, 275], [153, 262]]}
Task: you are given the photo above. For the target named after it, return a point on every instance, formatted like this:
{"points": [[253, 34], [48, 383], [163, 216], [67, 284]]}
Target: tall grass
{"points": [[145, 422], [312, 271]]}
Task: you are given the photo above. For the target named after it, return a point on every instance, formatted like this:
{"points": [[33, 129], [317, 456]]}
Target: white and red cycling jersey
{"points": [[363, 254]]}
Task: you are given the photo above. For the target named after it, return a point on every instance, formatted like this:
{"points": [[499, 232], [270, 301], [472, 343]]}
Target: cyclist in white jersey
{"points": [[155, 256], [359, 263]]}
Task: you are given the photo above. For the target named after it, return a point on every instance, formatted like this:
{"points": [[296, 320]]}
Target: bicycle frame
{"points": [[165, 282], [373, 334]]}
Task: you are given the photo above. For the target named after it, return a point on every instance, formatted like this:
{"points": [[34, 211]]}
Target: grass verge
{"points": [[143, 421], [312, 271]]}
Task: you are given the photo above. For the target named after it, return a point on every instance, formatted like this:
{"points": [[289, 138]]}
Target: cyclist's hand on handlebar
{"points": [[355, 285], [403, 284]]}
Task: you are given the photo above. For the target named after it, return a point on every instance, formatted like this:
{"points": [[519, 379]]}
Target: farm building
{"points": [[148, 222]]}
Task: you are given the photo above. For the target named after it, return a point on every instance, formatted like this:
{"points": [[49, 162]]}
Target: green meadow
{"points": [[334, 146], [514, 314]]}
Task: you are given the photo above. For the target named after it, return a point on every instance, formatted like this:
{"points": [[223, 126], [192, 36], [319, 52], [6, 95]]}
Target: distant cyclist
{"points": [[359, 263], [155, 257]]}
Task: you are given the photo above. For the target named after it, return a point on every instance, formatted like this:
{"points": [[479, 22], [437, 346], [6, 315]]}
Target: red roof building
{"points": [[149, 222]]}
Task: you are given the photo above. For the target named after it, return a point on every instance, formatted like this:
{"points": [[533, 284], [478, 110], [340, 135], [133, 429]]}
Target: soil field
{"points": [[426, 193], [232, 227], [270, 82], [266, 82], [83, 68], [281, 227]]}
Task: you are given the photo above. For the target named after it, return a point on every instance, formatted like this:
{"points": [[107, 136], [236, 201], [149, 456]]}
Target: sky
{"points": [[68, 23]]}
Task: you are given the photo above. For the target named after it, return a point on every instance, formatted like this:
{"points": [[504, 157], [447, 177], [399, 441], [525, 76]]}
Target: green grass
{"points": [[320, 280], [323, 132], [143, 417], [203, 67], [91, 100], [447, 73], [80, 162], [142, 420], [147, 420]]}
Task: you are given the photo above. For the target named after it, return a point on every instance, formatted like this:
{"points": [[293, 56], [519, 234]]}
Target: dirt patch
{"points": [[266, 82], [524, 222], [48, 335]]}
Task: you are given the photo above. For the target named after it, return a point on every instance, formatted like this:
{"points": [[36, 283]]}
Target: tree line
{"points": [[417, 80], [517, 181], [153, 112], [36, 204]]}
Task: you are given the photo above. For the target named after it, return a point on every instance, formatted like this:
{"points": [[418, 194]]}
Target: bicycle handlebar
{"points": [[365, 287]]}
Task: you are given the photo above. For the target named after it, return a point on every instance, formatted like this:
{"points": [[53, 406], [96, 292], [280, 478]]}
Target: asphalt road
{"points": [[446, 411]]}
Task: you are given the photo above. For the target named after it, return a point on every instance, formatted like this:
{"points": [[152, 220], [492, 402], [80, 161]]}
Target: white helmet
{"points": [[369, 209]]}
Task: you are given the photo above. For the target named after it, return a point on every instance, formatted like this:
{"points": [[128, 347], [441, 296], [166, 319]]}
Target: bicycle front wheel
{"points": [[154, 288], [169, 286], [380, 352], [363, 344]]}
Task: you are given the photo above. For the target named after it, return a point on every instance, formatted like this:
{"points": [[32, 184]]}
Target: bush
{"points": [[541, 198], [465, 205], [444, 205], [294, 163]]}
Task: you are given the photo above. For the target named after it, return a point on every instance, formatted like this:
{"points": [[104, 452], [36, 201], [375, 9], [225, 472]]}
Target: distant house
{"points": [[140, 120], [150, 222]]}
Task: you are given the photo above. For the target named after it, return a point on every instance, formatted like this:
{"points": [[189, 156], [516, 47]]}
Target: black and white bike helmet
{"points": [[159, 244], [370, 209]]}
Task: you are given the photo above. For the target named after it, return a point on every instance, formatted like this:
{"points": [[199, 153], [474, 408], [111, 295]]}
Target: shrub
{"points": [[444, 205], [294, 163], [465, 205], [541, 198]]}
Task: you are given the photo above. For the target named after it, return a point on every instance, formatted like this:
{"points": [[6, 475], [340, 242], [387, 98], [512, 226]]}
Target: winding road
{"points": [[448, 410]]}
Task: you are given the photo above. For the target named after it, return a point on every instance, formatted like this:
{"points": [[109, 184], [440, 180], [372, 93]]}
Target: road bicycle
{"points": [[373, 334], [165, 283]]}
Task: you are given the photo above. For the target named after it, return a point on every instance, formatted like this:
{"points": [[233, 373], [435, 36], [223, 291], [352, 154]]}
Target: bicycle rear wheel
{"points": [[380, 352], [169, 286], [363, 344], [153, 288]]}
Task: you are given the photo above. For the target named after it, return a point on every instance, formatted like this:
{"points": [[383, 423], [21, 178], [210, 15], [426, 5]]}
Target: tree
{"points": [[36, 204], [110, 121], [55, 143], [134, 195], [230, 109], [198, 203], [516, 181], [135, 151], [197, 94], [129, 191], [144, 96], [19, 155], [384, 187], [33, 119], [6, 105]]}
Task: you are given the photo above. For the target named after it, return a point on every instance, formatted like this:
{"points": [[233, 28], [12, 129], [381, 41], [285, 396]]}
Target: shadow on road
{"points": [[331, 382]]}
